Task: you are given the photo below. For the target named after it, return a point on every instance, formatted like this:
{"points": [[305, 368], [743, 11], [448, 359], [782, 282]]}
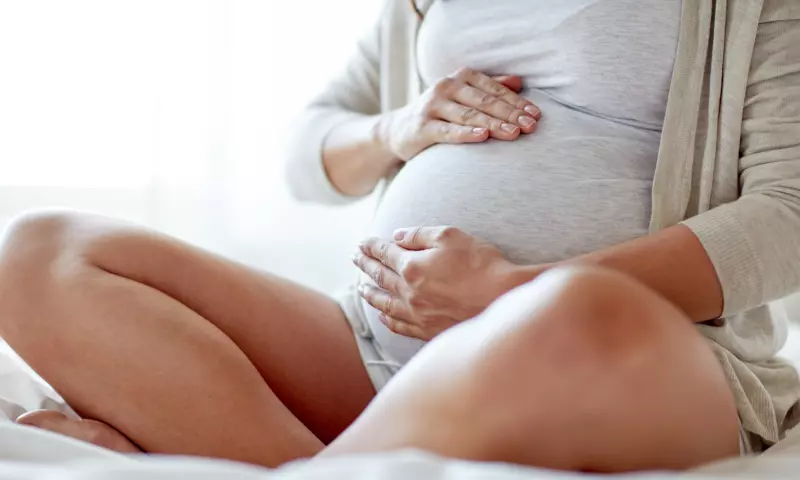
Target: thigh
{"points": [[297, 338], [581, 370]]}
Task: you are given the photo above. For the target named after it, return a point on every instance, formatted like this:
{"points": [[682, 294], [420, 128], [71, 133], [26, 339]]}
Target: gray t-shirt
{"points": [[600, 71]]}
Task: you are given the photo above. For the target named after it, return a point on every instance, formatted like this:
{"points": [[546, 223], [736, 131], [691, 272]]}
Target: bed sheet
{"points": [[30, 454], [69, 459]]}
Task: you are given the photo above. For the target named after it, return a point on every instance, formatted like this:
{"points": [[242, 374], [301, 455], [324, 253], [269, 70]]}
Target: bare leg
{"points": [[179, 350], [580, 370]]}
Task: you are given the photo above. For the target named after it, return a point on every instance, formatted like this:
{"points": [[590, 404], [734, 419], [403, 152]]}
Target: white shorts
{"points": [[381, 370]]}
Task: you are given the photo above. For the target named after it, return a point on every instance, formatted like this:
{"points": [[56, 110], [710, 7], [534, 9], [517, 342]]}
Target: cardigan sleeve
{"points": [[754, 242], [352, 94]]}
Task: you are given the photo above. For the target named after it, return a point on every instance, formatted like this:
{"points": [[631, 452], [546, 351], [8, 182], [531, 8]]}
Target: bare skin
{"points": [[600, 353], [163, 347], [207, 323], [583, 369], [179, 350], [465, 107]]}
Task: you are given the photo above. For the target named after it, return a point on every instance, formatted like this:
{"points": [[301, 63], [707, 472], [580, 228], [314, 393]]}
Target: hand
{"points": [[467, 107], [431, 278]]}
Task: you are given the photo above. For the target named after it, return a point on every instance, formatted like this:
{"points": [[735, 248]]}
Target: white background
{"points": [[174, 113]]}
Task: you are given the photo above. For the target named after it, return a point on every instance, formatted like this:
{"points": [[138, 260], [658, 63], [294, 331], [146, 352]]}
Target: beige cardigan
{"points": [[728, 167]]}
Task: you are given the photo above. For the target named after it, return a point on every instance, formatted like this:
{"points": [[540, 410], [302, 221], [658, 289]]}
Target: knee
{"points": [[32, 233], [595, 316], [593, 294], [33, 241]]}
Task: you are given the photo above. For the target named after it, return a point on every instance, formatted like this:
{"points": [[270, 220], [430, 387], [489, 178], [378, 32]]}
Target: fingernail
{"points": [[382, 317], [400, 234], [507, 127], [478, 131], [363, 247], [526, 121], [354, 258], [533, 110]]}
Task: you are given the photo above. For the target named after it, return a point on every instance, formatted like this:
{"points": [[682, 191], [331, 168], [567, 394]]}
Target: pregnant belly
{"points": [[530, 199]]}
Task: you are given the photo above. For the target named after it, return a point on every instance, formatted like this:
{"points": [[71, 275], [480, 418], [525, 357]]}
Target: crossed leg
{"points": [[178, 350], [583, 369], [183, 352]]}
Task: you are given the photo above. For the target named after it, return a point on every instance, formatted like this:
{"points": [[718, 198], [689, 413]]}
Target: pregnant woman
{"points": [[586, 207]]}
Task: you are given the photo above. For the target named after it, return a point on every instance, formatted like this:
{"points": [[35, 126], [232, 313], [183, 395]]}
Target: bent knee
{"points": [[36, 232], [33, 245], [593, 315], [596, 292]]}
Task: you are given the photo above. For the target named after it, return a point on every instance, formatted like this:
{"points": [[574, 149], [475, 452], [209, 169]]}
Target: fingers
{"points": [[386, 252], [383, 276], [422, 238], [474, 99], [477, 99], [384, 302], [438, 131], [491, 86], [459, 114], [401, 327]]}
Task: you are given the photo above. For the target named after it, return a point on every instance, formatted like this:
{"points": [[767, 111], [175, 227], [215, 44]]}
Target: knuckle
{"points": [[440, 132], [516, 102], [495, 124], [413, 235], [452, 136], [486, 100], [383, 251], [468, 114], [389, 307], [446, 233], [410, 271], [378, 277], [497, 89]]}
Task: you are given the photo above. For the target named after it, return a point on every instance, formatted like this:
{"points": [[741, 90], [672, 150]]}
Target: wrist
{"points": [[512, 275], [380, 134]]}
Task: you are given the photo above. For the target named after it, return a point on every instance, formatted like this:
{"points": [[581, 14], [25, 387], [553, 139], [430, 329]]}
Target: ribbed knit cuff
{"points": [[305, 171], [737, 266]]}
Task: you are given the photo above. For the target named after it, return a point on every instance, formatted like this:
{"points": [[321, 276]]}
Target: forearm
{"points": [[355, 158], [672, 262]]}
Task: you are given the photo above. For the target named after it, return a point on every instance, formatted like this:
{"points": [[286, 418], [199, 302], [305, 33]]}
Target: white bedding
{"points": [[28, 454], [68, 459]]}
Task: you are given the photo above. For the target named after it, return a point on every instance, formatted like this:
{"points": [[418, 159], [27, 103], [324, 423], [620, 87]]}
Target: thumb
{"points": [[422, 238]]}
